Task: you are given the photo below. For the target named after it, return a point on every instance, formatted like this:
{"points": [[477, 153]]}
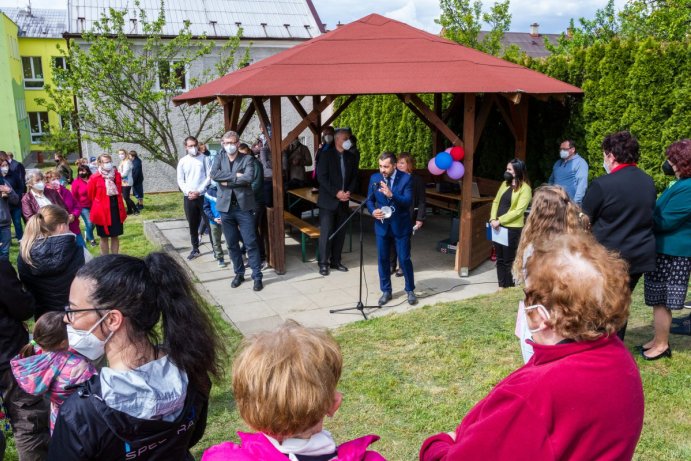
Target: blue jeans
{"points": [[5, 239], [80, 240], [238, 223], [87, 223], [17, 221]]}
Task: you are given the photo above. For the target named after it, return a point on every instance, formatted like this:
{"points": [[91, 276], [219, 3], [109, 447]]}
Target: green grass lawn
{"points": [[409, 376]]}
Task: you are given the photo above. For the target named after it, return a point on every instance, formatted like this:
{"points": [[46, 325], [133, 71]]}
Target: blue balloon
{"points": [[443, 160]]}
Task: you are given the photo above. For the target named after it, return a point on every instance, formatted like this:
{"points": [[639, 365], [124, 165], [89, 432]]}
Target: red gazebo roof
{"points": [[378, 55]]}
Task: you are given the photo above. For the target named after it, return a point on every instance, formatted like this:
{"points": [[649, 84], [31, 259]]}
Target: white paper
{"points": [[501, 236]]}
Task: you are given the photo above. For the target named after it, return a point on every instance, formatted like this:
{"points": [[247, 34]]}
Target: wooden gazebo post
{"points": [[275, 214], [465, 229]]}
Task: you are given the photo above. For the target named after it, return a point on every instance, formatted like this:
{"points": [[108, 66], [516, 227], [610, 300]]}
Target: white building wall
{"points": [[160, 177]]}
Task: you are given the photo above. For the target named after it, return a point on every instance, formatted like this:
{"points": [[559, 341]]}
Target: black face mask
{"points": [[508, 176], [82, 175], [667, 169]]}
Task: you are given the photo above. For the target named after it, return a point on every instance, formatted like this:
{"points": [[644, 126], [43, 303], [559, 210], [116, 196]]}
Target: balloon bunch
{"points": [[448, 161]]}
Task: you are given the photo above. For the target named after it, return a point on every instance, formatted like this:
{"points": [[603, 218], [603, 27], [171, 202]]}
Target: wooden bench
{"points": [[441, 204], [306, 229]]}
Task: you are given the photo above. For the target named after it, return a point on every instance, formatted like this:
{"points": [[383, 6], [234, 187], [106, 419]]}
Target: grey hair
{"points": [[230, 134], [31, 173]]}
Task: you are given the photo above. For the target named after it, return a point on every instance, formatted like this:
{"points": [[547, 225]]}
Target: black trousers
{"points": [[506, 256], [330, 220], [131, 207], [633, 281], [194, 212]]}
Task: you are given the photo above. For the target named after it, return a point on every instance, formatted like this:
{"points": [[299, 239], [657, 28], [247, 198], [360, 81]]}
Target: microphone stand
{"points": [[359, 306]]}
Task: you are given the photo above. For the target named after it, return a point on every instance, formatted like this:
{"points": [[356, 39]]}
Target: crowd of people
{"points": [[122, 354]]}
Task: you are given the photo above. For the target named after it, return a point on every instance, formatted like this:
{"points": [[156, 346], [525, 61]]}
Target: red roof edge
{"points": [[320, 25]]}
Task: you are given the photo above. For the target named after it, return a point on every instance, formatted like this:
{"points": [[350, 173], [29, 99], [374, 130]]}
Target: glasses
{"points": [[69, 312]]}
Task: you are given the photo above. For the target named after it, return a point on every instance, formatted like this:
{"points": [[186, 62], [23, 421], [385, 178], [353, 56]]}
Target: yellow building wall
{"points": [[14, 123], [46, 49]]}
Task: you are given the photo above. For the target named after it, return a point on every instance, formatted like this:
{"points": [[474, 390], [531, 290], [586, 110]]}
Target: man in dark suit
{"points": [[337, 175], [234, 172], [394, 189]]}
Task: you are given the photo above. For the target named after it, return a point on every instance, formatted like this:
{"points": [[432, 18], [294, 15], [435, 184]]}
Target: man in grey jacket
{"points": [[234, 172]]}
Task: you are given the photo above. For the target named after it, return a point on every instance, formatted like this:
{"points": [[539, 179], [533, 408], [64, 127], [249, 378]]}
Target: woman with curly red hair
{"points": [[580, 396]]}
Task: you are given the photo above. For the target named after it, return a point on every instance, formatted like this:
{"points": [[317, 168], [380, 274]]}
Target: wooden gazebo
{"points": [[377, 55]]}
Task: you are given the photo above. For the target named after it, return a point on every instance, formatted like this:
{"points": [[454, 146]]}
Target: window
{"points": [[172, 75], [33, 72], [38, 122], [66, 123], [60, 62]]}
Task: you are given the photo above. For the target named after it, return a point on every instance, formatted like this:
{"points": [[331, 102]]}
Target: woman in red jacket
{"points": [[580, 395], [107, 208]]}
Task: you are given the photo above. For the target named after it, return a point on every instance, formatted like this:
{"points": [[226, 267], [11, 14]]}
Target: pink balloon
{"points": [[432, 167], [456, 171], [448, 150]]}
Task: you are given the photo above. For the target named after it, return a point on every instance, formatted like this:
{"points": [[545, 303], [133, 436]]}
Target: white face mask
{"points": [[347, 144], [192, 151], [4, 170], [328, 139], [542, 310], [523, 332], [86, 342], [107, 166], [564, 154], [606, 166], [231, 148], [122, 157], [39, 186]]}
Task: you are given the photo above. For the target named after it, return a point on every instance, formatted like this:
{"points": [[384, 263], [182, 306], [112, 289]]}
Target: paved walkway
{"points": [[305, 296]]}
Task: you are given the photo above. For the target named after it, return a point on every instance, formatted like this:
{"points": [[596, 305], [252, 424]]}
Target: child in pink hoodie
{"points": [[284, 383], [46, 366]]}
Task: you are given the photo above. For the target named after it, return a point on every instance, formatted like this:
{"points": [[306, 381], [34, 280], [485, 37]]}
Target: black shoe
{"points": [[193, 254], [324, 270], [385, 298], [339, 267], [237, 281], [412, 299], [683, 327], [642, 349], [399, 272], [258, 285], [666, 353]]}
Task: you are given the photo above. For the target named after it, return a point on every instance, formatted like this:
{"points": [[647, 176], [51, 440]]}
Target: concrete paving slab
{"points": [[304, 295]]}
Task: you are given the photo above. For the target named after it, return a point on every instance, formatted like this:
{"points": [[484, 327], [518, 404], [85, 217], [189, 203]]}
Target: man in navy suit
{"points": [[392, 188]]}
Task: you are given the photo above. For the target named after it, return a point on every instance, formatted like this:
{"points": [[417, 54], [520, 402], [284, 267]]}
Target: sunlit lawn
{"points": [[408, 376]]}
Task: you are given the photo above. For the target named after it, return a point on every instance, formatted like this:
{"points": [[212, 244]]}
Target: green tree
{"points": [[462, 22], [62, 140], [125, 88]]}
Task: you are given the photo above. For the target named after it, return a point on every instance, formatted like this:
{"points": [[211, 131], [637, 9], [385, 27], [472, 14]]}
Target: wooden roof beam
{"points": [[310, 118], [340, 109], [434, 119], [295, 101]]}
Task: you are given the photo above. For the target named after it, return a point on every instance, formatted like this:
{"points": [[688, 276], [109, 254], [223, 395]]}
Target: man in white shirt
{"points": [[193, 181]]}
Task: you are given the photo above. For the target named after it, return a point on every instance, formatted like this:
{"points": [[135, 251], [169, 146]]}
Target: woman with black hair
{"points": [[620, 205], [151, 401], [508, 210]]}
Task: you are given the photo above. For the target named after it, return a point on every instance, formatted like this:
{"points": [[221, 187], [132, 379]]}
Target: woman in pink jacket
{"points": [[81, 195], [73, 207], [579, 397]]}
